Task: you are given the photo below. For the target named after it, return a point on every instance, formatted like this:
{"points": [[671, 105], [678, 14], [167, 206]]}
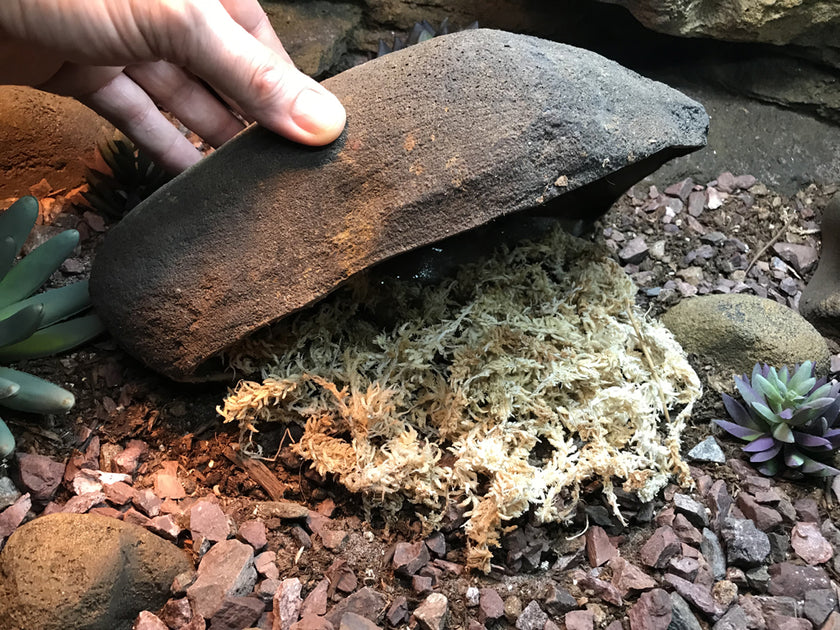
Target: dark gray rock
{"points": [[713, 553], [819, 604], [442, 137], [681, 616], [84, 571], [734, 619], [692, 509], [746, 546], [532, 617], [707, 451], [365, 602]]}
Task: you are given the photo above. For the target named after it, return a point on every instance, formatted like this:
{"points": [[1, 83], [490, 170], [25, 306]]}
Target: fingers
{"points": [[251, 16], [264, 83], [186, 98], [130, 109]]}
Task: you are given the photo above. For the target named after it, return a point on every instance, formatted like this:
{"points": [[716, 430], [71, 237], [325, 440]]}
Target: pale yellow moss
{"points": [[441, 393]]}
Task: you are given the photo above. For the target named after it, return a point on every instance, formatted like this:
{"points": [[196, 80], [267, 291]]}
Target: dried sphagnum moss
{"points": [[534, 346]]}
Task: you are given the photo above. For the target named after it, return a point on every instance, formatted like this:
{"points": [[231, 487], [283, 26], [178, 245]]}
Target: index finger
{"points": [[251, 16]]}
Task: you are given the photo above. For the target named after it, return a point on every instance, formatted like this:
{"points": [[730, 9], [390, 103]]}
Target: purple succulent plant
{"points": [[789, 420]]}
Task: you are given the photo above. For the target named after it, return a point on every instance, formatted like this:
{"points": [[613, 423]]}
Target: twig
{"points": [[769, 244]]}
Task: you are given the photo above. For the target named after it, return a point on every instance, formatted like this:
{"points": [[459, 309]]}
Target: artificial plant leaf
{"points": [[783, 433], [763, 443], [764, 456], [35, 395], [745, 433], [54, 339], [740, 414], [33, 270], [811, 441]]}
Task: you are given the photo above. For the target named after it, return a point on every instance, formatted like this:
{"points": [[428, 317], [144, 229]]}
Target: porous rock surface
{"points": [[736, 331], [66, 571], [441, 137], [820, 302]]}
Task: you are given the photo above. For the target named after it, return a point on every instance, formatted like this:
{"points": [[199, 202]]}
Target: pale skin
{"points": [[123, 58]]}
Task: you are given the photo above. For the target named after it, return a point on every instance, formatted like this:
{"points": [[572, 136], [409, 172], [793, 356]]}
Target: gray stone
{"points": [[746, 546], [734, 619], [227, 570], [819, 604], [820, 301], [13, 516], [736, 331], [707, 451], [758, 579], [8, 492], [692, 509], [681, 616], [84, 571], [634, 252], [532, 617], [150, 279], [713, 553]]}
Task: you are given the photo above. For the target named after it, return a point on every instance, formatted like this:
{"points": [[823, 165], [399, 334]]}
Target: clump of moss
{"points": [[441, 393]]}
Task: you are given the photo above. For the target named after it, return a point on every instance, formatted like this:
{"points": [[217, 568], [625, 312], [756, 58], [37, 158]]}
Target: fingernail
{"points": [[317, 111]]}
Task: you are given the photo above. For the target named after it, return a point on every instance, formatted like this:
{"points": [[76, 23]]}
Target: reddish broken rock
{"points": [[809, 544], [660, 548], [420, 160], [39, 476], [651, 612], [599, 548]]}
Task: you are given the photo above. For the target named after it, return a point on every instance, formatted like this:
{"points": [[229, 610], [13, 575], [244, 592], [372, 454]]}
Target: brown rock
{"points": [[118, 493], [660, 548], [409, 558], [765, 518], [236, 613], [130, 458], [167, 311], [697, 595], [792, 580], [208, 521], [333, 539], [13, 516], [316, 602], [286, 604], [176, 612], [253, 532], [627, 577], [312, 622], [490, 605], [651, 612], [167, 485], [365, 602], [227, 570], [39, 476], [148, 621], [599, 548], [433, 612]]}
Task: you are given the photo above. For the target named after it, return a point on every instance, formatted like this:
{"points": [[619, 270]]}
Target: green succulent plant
{"points": [[420, 32], [133, 177], [34, 325], [789, 419]]}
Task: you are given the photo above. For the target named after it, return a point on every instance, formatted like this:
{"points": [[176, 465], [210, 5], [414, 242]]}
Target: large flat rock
{"points": [[441, 137]]}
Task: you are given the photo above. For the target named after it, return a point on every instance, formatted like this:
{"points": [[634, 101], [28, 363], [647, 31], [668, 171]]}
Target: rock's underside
{"points": [[441, 138]]}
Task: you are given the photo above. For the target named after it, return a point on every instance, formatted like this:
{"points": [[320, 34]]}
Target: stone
{"points": [[601, 588], [333, 539], [227, 570], [398, 611], [40, 476], [45, 136], [236, 613], [634, 252], [651, 612], [725, 593], [130, 458], [734, 619], [779, 545], [164, 525], [579, 620], [557, 600], [12, 516], [628, 577], [176, 612], [532, 617], [599, 548], [697, 595], [707, 451], [765, 518], [793, 580], [432, 613], [147, 502], [352, 621], [281, 509], [312, 622], [491, 606], [316, 602], [686, 568], [787, 623], [807, 510], [758, 579], [163, 309], [409, 558], [315, 34], [660, 548], [266, 565], [819, 301], [691, 509], [253, 532], [713, 554], [84, 570], [681, 616], [208, 521], [148, 621], [365, 602], [167, 484], [801, 257], [8, 492], [736, 331], [286, 604], [833, 622], [746, 546], [119, 493], [809, 544], [819, 604]]}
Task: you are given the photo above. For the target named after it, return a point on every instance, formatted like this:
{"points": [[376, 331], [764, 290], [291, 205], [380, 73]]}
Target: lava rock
{"points": [[186, 274], [83, 570]]}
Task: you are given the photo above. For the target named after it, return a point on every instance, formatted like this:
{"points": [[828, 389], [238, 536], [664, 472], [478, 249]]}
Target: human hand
{"points": [[120, 57]]}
